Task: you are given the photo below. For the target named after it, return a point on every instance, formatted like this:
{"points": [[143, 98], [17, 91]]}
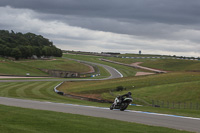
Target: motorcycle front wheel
{"points": [[111, 107]]}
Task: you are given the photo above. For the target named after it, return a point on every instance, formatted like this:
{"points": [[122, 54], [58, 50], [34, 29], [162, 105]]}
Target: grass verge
{"points": [[18, 120]]}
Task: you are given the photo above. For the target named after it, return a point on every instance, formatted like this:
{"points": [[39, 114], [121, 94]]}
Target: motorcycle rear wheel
{"points": [[123, 106]]}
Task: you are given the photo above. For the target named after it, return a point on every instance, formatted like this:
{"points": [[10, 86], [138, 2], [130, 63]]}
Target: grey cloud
{"points": [[134, 27], [149, 20], [164, 11]]}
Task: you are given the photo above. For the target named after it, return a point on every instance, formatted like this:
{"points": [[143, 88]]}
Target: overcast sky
{"points": [[166, 27]]}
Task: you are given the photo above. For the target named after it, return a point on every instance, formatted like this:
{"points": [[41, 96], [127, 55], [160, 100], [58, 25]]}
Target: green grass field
{"points": [[163, 64], [12, 68], [20, 120], [42, 91], [8, 67], [165, 83], [57, 64], [174, 65], [170, 87]]}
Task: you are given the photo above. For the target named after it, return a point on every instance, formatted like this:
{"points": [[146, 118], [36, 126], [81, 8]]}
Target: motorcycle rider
{"points": [[121, 98]]}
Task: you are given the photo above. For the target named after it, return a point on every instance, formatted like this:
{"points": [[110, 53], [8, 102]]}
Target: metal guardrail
{"points": [[186, 58], [57, 91]]}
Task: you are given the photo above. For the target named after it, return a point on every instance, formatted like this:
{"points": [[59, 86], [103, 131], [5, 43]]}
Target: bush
{"points": [[120, 88]]}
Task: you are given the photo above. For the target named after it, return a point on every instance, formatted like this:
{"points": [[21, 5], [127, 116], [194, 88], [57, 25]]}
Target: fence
{"points": [[161, 57], [176, 105]]}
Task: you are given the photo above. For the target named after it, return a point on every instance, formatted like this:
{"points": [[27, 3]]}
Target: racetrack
{"points": [[170, 121], [176, 122]]}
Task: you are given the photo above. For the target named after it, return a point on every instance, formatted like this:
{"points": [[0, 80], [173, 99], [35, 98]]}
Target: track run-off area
{"points": [[148, 118]]}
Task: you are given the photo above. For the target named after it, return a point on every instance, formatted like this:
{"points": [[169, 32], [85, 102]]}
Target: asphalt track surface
{"points": [[170, 121]]}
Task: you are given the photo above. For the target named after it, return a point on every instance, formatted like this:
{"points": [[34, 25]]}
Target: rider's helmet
{"points": [[129, 93]]}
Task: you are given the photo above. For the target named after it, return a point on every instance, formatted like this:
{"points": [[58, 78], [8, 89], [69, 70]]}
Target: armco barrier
{"points": [[57, 91]]}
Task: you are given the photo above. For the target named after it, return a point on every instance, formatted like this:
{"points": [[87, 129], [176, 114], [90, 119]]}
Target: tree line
{"points": [[19, 45]]}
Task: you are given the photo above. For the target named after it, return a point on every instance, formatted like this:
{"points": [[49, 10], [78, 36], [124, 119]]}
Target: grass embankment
{"points": [[42, 91], [18, 120], [163, 64], [8, 67], [126, 71], [57, 64], [171, 87], [174, 64]]}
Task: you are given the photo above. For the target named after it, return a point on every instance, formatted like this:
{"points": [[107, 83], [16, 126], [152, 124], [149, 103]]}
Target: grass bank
{"points": [[8, 67], [42, 91], [163, 64], [171, 86], [18, 120], [57, 64]]}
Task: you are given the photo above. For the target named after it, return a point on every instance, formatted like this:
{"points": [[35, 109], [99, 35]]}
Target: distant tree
{"points": [[16, 53], [46, 51], [28, 44], [59, 53], [24, 52], [2, 49], [7, 51], [30, 50], [37, 51]]}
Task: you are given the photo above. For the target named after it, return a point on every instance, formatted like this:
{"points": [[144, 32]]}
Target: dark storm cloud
{"points": [[150, 18], [121, 25], [163, 11]]}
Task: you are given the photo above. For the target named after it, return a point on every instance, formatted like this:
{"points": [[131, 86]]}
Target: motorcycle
{"points": [[123, 105]]}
